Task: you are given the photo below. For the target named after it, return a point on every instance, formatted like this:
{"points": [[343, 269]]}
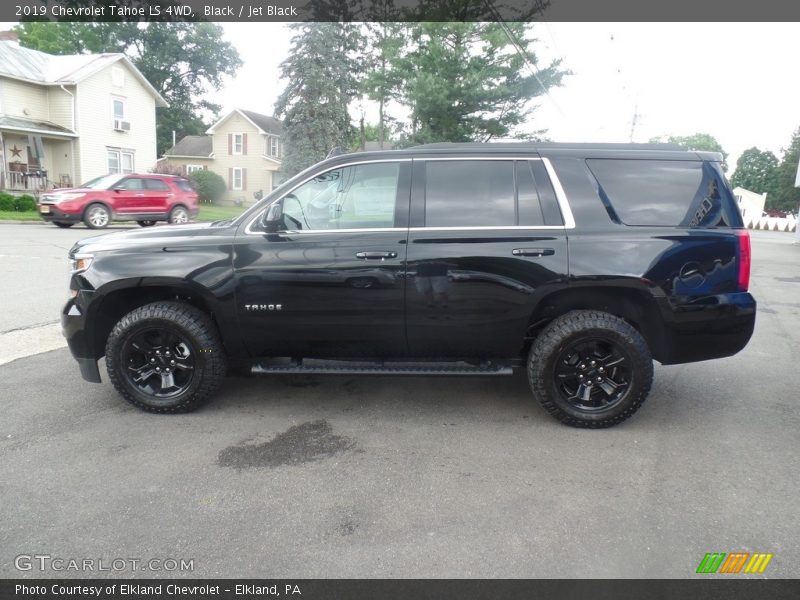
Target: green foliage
{"points": [[183, 61], [24, 203], [786, 196], [208, 184], [699, 141], [755, 171], [471, 81], [320, 74], [6, 202]]}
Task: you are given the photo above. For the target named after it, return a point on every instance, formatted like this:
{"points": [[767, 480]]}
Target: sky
{"points": [[735, 81]]}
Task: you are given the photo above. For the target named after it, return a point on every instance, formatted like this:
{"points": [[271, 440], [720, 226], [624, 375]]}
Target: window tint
{"points": [[184, 185], [547, 195], [155, 184], [663, 193], [356, 197], [470, 193]]}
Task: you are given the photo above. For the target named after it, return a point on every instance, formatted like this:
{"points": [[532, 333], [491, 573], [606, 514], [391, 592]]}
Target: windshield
{"points": [[102, 183]]}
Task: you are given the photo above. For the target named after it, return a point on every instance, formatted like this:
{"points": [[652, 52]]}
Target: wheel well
{"points": [[120, 302], [635, 306]]}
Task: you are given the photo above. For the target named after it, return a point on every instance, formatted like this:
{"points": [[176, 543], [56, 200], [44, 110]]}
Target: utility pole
{"points": [[634, 121]]}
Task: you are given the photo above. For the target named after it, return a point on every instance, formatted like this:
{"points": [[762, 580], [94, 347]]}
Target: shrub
{"points": [[208, 184], [25, 203], [6, 202]]}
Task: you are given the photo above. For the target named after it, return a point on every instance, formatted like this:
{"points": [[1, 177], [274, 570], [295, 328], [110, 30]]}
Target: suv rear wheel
{"points": [[179, 215], [590, 369], [165, 357]]}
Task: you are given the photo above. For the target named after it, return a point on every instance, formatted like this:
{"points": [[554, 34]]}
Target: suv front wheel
{"points": [[590, 369], [165, 357]]}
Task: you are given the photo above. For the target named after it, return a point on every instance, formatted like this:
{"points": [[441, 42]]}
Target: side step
{"points": [[345, 367]]}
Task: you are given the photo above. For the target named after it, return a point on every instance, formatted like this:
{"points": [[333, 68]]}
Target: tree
{"points": [[787, 196], [383, 79], [183, 61], [320, 74], [699, 141], [471, 81], [755, 171]]}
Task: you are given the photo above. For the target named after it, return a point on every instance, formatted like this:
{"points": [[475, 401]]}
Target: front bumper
{"points": [[56, 214], [73, 326]]}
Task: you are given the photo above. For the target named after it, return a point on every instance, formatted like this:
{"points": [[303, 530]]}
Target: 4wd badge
{"points": [[262, 307]]}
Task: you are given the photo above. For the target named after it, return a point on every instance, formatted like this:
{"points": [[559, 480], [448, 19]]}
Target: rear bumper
{"points": [[73, 326], [712, 327]]}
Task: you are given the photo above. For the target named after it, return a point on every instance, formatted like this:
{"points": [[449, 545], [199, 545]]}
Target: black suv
{"points": [[579, 263]]}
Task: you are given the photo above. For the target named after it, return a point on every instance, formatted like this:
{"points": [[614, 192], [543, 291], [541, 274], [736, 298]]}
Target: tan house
{"points": [[67, 119], [243, 147]]}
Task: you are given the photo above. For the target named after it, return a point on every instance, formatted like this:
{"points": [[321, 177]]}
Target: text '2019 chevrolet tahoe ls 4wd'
{"points": [[580, 263]]}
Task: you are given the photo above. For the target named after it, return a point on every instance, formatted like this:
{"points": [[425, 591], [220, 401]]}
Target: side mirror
{"points": [[119, 188], [273, 218]]}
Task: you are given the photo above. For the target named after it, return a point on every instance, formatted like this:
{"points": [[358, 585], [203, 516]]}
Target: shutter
{"points": [[230, 143], [244, 143], [244, 179], [230, 177]]}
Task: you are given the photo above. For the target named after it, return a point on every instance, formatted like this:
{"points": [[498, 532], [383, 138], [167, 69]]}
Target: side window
{"points": [[536, 200], [355, 197], [156, 184], [469, 193], [131, 183], [678, 193]]}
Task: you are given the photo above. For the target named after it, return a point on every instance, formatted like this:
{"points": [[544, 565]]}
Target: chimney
{"points": [[9, 36]]}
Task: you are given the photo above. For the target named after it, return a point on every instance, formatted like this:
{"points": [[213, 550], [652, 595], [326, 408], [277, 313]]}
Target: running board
{"points": [[343, 367]]}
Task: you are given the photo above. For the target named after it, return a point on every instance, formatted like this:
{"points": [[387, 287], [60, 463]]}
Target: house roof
{"points": [[199, 146], [264, 123], [49, 69], [35, 126]]}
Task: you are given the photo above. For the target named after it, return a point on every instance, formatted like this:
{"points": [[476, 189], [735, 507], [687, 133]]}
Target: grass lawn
{"points": [[210, 212], [12, 215]]}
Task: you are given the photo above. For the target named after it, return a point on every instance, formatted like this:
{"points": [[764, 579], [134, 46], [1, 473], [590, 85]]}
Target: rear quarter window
{"points": [[184, 185], [665, 193]]}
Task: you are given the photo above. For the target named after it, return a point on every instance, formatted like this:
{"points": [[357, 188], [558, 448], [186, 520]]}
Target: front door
{"points": [[128, 196], [487, 239], [330, 284]]}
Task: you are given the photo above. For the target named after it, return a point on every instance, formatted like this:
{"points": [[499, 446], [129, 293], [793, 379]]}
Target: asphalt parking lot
{"points": [[283, 476]]}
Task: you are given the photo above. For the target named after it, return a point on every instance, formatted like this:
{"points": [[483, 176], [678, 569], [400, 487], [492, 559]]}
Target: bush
{"points": [[6, 202], [25, 203], [208, 184]]}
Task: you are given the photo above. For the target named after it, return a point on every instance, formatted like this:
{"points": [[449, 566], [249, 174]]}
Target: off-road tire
{"points": [[558, 335], [194, 325]]}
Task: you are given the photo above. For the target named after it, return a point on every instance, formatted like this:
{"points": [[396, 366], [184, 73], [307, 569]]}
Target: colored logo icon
{"points": [[735, 562]]}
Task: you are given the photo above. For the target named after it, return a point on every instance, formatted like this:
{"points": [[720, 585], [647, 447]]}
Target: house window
{"points": [[238, 143], [273, 146], [120, 161], [237, 178], [120, 111], [193, 168]]}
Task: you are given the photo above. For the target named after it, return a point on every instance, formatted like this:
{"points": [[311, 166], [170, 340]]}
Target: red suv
{"points": [[132, 197]]}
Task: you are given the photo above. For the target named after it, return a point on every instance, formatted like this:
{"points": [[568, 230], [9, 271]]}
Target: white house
{"points": [[750, 204], [243, 147], [68, 119]]}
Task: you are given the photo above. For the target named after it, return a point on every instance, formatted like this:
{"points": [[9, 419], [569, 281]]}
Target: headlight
{"points": [[81, 262], [65, 197]]}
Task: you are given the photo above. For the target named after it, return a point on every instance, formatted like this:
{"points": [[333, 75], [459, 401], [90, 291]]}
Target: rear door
{"points": [[156, 197], [487, 238]]}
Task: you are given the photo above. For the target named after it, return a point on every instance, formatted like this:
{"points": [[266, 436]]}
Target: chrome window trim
{"points": [[561, 198]]}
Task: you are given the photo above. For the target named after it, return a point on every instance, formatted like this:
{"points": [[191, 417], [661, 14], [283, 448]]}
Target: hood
{"points": [[166, 236]]}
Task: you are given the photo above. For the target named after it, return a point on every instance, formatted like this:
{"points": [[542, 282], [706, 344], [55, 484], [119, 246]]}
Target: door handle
{"points": [[376, 255], [533, 251], [137, 195]]}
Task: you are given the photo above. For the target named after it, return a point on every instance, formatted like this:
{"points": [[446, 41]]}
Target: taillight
{"points": [[744, 259]]}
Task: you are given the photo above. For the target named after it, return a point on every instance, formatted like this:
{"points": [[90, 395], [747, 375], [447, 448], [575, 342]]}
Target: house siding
{"points": [[60, 103], [259, 171], [95, 118], [16, 97]]}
